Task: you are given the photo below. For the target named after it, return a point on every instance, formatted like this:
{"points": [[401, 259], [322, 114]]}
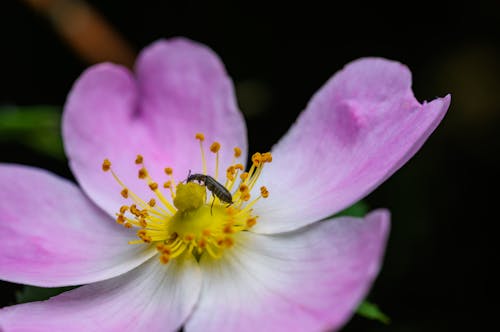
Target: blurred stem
{"points": [[86, 31]]}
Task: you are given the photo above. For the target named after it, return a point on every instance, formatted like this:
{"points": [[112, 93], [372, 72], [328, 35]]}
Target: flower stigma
{"points": [[182, 218]]}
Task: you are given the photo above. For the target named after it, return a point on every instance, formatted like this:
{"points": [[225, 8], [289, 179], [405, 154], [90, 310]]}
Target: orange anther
{"points": [[200, 137], [139, 159], [228, 229], [169, 170], [143, 173], [215, 147], [120, 219], [237, 152], [124, 193], [106, 165], [264, 192], [153, 186], [164, 258], [267, 157], [251, 222], [256, 158], [245, 196]]}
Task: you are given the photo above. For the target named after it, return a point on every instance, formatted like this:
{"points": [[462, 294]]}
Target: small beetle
{"points": [[215, 187]]}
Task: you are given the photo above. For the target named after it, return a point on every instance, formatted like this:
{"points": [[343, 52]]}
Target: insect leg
{"points": [[211, 206]]}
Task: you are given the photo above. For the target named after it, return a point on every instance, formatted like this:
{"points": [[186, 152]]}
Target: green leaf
{"points": [[33, 293], [371, 311], [360, 209], [37, 127]]}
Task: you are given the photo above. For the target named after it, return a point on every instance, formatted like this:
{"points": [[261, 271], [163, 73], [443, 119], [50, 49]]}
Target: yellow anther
{"points": [[189, 237], [239, 166], [243, 188], [167, 184], [143, 223], [230, 172], [152, 202], [256, 158], [267, 157], [215, 147], [264, 192], [237, 152], [139, 159], [143, 173], [123, 209], [124, 193], [244, 176], [200, 137], [169, 170], [127, 225], [206, 232], [153, 186], [106, 165]]}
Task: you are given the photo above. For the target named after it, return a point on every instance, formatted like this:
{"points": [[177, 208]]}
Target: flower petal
{"points": [[361, 127], [52, 235], [181, 89], [153, 297], [311, 279]]}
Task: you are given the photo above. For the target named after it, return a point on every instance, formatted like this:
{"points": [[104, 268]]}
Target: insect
{"points": [[215, 187]]}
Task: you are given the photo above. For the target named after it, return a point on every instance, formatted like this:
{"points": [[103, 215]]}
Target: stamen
{"points": [[190, 224], [143, 173], [106, 165], [264, 192], [201, 138], [215, 147]]}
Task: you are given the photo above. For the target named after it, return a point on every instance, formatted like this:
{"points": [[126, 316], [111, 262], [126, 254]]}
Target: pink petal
{"points": [[153, 297], [358, 129], [52, 235], [311, 279], [181, 89]]}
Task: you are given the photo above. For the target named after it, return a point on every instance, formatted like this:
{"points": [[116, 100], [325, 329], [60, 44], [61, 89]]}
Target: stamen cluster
{"points": [[186, 222]]}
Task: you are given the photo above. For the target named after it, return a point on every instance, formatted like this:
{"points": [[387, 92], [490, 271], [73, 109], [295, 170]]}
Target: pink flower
{"points": [[267, 262]]}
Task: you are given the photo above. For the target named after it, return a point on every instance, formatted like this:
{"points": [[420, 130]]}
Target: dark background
{"points": [[438, 273]]}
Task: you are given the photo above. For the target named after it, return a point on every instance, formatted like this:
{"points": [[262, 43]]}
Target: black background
{"points": [[437, 274]]}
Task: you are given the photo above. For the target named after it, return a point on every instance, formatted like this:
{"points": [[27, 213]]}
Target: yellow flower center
{"points": [[188, 221]]}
